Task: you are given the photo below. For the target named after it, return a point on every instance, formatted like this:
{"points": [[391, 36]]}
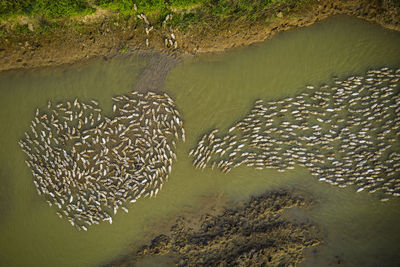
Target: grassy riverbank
{"points": [[43, 15], [44, 32], [66, 8], [46, 8]]}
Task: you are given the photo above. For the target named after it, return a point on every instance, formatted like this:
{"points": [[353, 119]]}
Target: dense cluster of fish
{"points": [[345, 134], [88, 165]]}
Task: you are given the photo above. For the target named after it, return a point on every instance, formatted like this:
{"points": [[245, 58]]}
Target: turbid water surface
{"points": [[210, 91]]}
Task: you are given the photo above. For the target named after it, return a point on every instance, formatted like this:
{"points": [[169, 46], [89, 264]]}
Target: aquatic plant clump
{"points": [[345, 134], [251, 234], [88, 165]]}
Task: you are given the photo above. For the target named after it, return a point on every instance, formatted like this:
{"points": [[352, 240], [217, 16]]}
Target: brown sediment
{"points": [[153, 76], [100, 35], [252, 234]]}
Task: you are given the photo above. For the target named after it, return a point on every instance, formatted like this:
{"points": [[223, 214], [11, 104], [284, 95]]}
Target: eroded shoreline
{"points": [[104, 39], [252, 233]]}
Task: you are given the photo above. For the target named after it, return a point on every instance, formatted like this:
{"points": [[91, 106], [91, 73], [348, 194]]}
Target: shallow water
{"points": [[211, 91]]}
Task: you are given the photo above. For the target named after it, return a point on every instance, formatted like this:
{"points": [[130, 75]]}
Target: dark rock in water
{"points": [[252, 234]]}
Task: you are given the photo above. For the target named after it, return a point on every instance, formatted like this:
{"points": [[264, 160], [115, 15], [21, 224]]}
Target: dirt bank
{"points": [[106, 35], [252, 234]]}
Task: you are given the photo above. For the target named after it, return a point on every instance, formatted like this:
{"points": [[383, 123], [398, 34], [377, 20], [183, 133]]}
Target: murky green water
{"points": [[211, 92]]}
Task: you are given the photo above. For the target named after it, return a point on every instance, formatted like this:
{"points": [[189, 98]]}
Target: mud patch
{"points": [[251, 234], [155, 73]]}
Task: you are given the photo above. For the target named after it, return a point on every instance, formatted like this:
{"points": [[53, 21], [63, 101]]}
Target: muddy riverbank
{"points": [[107, 35], [251, 234]]}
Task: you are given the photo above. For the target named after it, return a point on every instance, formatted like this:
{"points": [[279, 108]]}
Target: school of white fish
{"points": [[88, 165], [346, 133]]}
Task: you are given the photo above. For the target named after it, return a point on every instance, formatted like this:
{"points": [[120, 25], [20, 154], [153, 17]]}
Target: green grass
{"points": [[184, 3], [148, 6], [46, 8], [61, 8], [14, 7], [156, 10], [217, 10], [123, 48], [126, 7]]}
